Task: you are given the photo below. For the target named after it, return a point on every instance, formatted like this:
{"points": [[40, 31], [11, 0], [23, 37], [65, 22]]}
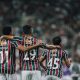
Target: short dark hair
{"points": [[27, 29], [56, 40], [7, 30]]}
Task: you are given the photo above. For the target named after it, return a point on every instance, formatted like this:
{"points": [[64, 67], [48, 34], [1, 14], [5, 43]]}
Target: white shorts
{"points": [[2, 77], [8, 77], [51, 77], [18, 76], [15, 76], [31, 75]]}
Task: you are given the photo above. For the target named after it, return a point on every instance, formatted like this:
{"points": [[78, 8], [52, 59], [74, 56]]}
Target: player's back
{"points": [[28, 59], [7, 57], [54, 62]]}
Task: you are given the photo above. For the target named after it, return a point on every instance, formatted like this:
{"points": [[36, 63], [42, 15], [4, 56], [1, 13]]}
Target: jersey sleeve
{"points": [[65, 55], [17, 41], [44, 52], [17, 38]]}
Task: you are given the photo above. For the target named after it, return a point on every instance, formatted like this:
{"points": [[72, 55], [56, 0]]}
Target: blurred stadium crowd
{"points": [[49, 18]]}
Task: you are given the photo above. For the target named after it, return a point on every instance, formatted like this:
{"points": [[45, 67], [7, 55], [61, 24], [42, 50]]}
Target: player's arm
{"points": [[67, 63], [41, 60], [65, 59], [22, 48], [7, 37], [11, 37], [51, 46]]}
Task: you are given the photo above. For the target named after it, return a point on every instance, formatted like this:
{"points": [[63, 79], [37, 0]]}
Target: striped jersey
{"points": [[29, 59], [7, 57], [54, 61]]}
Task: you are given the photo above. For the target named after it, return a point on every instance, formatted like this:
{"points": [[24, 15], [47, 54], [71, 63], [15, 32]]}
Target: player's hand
{"points": [[43, 66], [2, 37], [40, 45]]}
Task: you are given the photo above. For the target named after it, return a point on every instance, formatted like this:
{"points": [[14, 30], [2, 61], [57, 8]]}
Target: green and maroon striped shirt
{"points": [[54, 61], [29, 59], [7, 58]]}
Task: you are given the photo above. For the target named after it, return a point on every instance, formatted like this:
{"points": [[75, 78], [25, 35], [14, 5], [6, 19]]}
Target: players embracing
{"points": [[30, 58], [28, 54]]}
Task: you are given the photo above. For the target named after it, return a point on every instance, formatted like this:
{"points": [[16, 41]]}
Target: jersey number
{"points": [[50, 63], [2, 56], [32, 55]]}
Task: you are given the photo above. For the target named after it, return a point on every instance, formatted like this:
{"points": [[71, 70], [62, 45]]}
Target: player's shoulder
{"points": [[17, 38], [33, 37], [65, 51]]}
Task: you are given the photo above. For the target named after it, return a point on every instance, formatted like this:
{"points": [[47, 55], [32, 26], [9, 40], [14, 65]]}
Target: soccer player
{"points": [[53, 59], [7, 56], [28, 60], [29, 63]]}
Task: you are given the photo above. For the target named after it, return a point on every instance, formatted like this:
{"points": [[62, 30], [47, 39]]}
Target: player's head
{"points": [[56, 40], [7, 30], [27, 29]]}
